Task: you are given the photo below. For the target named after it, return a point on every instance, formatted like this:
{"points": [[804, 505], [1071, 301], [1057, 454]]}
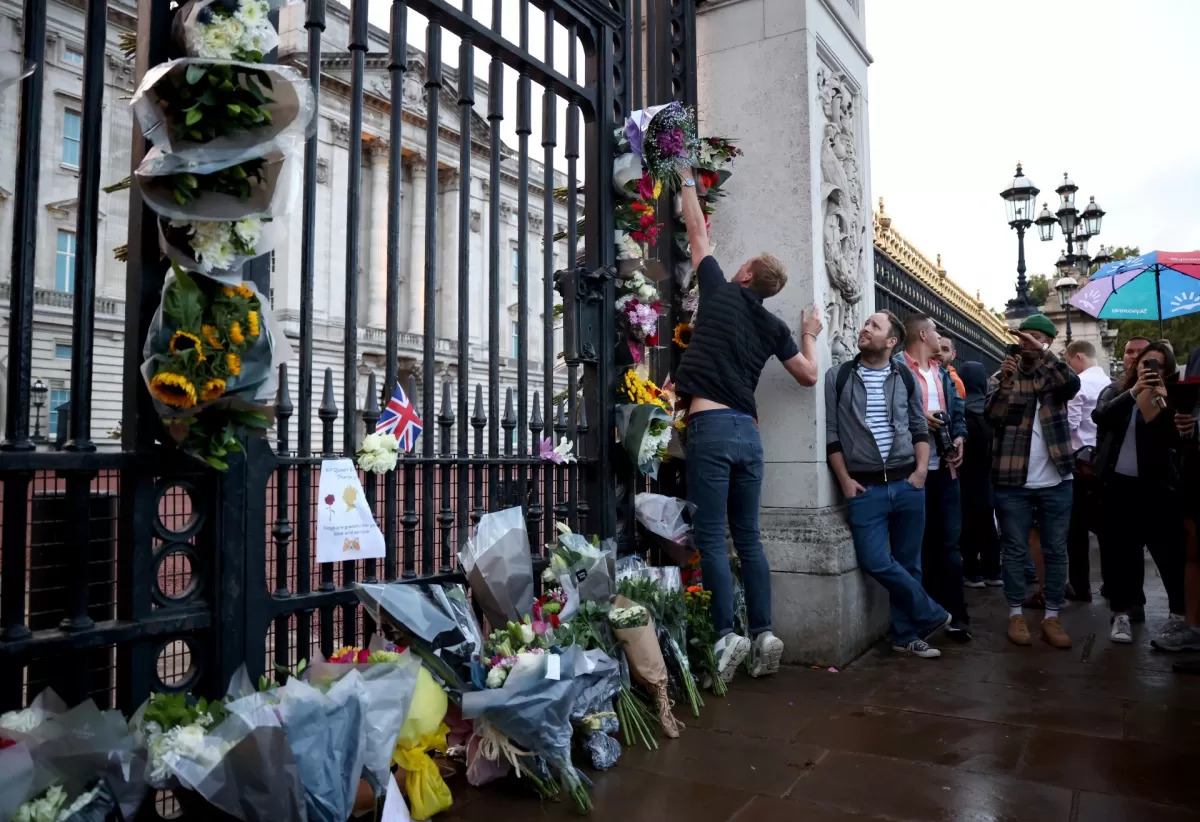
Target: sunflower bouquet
{"points": [[210, 362]]}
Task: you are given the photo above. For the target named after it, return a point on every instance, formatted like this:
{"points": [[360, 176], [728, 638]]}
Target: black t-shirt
{"points": [[734, 337]]}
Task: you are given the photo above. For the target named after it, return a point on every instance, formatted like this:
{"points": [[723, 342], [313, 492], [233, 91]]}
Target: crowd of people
{"points": [[1016, 469], [953, 477]]}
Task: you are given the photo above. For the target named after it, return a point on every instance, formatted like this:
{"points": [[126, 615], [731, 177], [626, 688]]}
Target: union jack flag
{"points": [[400, 418]]}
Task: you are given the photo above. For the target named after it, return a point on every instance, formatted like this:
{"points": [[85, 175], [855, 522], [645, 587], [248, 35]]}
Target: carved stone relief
{"points": [[339, 132], [476, 218], [322, 171], [414, 90], [843, 230]]}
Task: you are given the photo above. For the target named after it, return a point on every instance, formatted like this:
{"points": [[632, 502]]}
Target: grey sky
{"points": [[1105, 90]]}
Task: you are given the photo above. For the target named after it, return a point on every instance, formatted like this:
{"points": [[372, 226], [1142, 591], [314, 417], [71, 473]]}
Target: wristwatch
{"points": [[689, 182], [1045, 347]]}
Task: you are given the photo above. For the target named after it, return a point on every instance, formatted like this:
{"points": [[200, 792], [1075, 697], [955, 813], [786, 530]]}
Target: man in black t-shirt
{"points": [[734, 337]]}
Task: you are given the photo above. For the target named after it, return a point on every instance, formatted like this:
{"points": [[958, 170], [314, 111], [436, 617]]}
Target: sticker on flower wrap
{"points": [[346, 527]]}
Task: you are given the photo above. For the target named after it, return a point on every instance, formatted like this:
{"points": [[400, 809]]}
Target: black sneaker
{"points": [[959, 631], [929, 632]]}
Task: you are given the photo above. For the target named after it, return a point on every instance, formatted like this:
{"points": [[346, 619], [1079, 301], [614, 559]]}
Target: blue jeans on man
{"points": [[887, 521], [941, 559], [725, 474], [1018, 509]]}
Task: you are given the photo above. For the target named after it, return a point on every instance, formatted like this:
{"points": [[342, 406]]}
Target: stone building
{"points": [[58, 191]]}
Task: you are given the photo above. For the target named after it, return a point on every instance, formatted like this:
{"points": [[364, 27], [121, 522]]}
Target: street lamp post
{"points": [[1020, 199], [1065, 287], [38, 389], [1077, 227]]}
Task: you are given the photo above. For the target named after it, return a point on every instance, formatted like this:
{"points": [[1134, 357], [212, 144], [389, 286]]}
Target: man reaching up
{"points": [[734, 337]]}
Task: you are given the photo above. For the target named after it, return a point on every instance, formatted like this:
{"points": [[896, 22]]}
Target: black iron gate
{"points": [[153, 573]]}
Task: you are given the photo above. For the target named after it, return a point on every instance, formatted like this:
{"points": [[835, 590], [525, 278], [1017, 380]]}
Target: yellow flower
{"points": [[244, 292], [212, 389], [252, 322], [657, 189], [210, 336], [683, 335], [174, 390], [235, 333], [182, 340], [227, 291], [234, 363]]}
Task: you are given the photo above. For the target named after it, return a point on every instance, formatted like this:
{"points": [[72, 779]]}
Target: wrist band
{"points": [[809, 334]]}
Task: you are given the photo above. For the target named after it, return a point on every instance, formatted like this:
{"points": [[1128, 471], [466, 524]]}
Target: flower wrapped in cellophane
{"points": [[645, 432], [217, 249], [582, 568], [665, 138], [225, 29], [212, 354], [499, 567], [378, 453], [663, 599], [534, 712], [95, 803], [424, 730], [669, 521], [65, 755]]}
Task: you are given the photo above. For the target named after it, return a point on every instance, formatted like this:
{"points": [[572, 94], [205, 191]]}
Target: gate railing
{"points": [[160, 574]]}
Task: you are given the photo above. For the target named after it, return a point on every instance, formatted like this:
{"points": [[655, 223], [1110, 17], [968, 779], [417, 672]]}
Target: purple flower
{"points": [[670, 143]]}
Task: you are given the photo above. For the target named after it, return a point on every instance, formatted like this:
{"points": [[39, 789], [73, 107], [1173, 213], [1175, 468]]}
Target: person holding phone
{"points": [[1186, 636], [1141, 491], [1032, 468]]}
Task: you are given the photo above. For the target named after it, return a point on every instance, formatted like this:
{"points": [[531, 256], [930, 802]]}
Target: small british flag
{"points": [[400, 418]]}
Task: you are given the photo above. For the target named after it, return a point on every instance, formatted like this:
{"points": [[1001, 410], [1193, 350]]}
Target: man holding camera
{"points": [[945, 414], [1032, 468]]}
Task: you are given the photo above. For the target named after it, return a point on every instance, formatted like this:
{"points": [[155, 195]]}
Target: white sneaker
{"points": [[1122, 631], [730, 651], [918, 647], [765, 656]]}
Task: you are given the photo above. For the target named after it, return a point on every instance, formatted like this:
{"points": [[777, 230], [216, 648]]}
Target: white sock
{"points": [[1015, 610], [1051, 613]]}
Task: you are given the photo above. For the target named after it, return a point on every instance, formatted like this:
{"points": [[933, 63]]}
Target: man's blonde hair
{"points": [[770, 275]]}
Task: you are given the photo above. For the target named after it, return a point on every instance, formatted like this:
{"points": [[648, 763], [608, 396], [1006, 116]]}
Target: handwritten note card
{"points": [[346, 528]]}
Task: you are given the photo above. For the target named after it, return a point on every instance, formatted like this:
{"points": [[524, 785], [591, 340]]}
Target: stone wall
{"points": [[788, 80]]}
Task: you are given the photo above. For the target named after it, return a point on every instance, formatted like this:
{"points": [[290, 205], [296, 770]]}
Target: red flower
{"points": [[639, 207], [363, 656], [709, 178], [6, 743], [638, 237], [656, 306], [645, 186], [554, 621], [652, 339], [646, 221]]}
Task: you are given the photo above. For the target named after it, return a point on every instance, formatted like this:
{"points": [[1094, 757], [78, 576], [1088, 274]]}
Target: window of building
{"points": [[73, 57], [64, 262], [58, 396], [62, 351], [516, 268], [70, 138], [516, 341]]}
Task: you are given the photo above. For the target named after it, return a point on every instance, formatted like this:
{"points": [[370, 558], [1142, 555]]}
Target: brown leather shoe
{"points": [[1018, 631], [1053, 633]]}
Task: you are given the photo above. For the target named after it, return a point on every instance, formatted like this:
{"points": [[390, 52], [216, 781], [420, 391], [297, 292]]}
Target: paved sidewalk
{"points": [[988, 733]]}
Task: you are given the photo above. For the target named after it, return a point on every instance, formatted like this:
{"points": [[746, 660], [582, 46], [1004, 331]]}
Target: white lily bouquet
{"points": [[378, 453]]}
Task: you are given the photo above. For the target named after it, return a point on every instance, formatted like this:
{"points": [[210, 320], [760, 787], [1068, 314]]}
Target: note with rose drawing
{"points": [[346, 528]]}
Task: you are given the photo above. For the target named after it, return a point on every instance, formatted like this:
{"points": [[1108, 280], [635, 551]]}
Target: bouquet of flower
{"points": [[666, 607], [378, 453], [627, 247], [704, 636], [212, 352], [499, 567], [424, 730], [582, 569], [96, 803], [225, 29], [263, 187], [513, 650], [645, 432], [634, 629], [437, 623], [638, 391], [216, 249], [535, 713], [665, 138], [637, 215], [715, 152]]}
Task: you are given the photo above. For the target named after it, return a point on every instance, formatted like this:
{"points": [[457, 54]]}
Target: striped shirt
{"points": [[877, 415]]}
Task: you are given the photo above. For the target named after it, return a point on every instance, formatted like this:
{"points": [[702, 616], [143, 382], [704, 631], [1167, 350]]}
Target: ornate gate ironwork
{"points": [[153, 573]]}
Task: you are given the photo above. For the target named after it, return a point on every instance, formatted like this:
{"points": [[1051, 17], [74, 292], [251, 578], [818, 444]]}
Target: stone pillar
{"points": [[788, 78], [416, 253], [447, 291], [377, 312]]}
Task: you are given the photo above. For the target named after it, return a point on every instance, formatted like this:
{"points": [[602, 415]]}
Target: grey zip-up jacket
{"points": [[846, 428]]}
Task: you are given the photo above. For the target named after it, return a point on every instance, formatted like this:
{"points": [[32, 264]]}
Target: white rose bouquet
{"points": [[378, 453], [226, 29], [212, 247]]}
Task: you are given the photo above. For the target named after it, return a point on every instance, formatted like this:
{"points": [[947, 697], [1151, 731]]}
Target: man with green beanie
{"points": [[1032, 467]]}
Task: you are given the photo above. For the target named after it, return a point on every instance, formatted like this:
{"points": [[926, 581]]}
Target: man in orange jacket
{"points": [[946, 356]]}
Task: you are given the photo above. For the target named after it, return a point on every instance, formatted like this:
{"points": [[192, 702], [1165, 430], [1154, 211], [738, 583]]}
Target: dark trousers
{"points": [[1079, 567], [980, 545], [941, 561], [1137, 515]]}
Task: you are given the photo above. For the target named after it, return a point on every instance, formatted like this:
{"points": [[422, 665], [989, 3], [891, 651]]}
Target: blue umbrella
{"points": [[1157, 285]]}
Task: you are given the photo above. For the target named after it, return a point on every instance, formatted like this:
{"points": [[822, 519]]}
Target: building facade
{"points": [[58, 190]]}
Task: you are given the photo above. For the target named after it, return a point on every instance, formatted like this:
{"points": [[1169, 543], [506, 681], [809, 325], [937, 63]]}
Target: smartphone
{"points": [[1013, 350], [1154, 367]]}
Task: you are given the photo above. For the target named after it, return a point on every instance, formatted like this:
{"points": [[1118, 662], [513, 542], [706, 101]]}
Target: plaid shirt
{"points": [[1052, 383]]}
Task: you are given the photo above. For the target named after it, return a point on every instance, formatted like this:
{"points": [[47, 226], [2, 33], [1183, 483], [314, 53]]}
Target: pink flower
{"points": [[670, 143]]}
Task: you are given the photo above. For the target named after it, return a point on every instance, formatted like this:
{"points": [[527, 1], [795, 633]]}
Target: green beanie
{"points": [[1040, 322]]}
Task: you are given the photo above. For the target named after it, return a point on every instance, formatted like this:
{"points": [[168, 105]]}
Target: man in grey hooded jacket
{"points": [[877, 444]]}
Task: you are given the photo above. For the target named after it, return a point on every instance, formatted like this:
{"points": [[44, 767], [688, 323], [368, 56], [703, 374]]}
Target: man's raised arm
{"points": [[693, 218]]}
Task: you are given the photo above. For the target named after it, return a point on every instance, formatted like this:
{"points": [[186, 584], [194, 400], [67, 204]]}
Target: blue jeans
{"points": [[895, 513], [1017, 510], [725, 473]]}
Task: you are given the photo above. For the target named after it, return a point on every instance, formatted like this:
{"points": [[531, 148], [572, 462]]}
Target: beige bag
{"points": [[647, 667]]}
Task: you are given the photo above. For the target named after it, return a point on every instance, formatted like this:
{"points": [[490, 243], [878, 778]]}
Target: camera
{"points": [[941, 437], [1013, 350]]}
